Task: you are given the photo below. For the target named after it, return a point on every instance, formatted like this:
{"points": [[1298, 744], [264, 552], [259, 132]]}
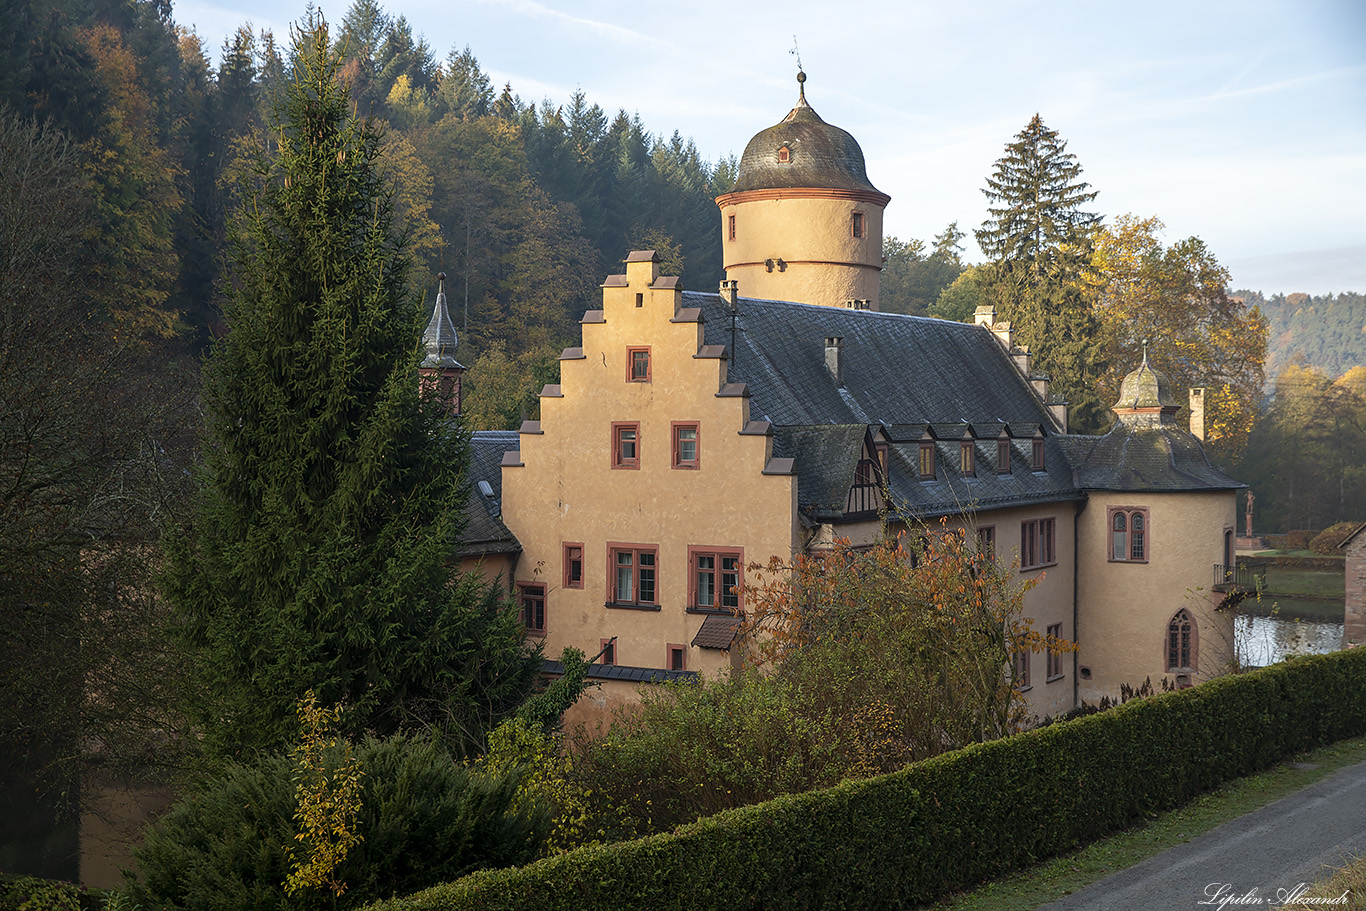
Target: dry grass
{"points": [[1348, 886]]}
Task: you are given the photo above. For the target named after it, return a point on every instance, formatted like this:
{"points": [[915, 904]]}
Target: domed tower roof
{"points": [[803, 151], [1146, 396], [439, 338]]}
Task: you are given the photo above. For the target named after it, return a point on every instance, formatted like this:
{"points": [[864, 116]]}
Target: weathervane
{"points": [[796, 53]]}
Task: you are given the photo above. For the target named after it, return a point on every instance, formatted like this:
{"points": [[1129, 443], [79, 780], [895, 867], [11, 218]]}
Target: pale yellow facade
{"points": [[563, 489], [812, 246], [1126, 607]]}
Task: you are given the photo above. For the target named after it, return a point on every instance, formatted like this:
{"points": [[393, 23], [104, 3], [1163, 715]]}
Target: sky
{"points": [[1241, 123]]}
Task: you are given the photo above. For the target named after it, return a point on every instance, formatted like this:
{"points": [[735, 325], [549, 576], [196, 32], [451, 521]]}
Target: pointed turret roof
{"points": [[440, 338]]}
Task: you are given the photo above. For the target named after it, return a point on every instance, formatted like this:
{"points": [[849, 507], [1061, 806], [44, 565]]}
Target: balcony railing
{"points": [[1239, 577]]}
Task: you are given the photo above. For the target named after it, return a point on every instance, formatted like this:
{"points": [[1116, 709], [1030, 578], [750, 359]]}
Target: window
{"points": [[685, 452], [1036, 543], [626, 445], [1054, 656], [1022, 670], [715, 577], [677, 657], [1038, 454], [573, 566], [1003, 456], [640, 298], [1128, 534], [966, 459], [730, 227], [857, 225], [986, 540], [608, 651], [637, 365], [784, 155], [632, 580], [926, 460], [533, 608], [1181, 643]]}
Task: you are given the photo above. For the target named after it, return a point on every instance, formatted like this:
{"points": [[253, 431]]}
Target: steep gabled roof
{"points": [[485, 532]]}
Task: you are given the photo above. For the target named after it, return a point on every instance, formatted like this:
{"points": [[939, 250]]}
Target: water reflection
{"points": [[1266, 640]]}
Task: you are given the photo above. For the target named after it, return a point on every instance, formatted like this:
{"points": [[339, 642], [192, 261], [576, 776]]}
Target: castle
{"points": [[692, 433]]}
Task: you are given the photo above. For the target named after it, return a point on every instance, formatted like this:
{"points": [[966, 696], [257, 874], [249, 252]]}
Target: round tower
{"points": [[803, 222]]}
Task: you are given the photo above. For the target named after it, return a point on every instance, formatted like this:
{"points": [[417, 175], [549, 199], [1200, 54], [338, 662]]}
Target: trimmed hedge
{"points": [[952, 821]]}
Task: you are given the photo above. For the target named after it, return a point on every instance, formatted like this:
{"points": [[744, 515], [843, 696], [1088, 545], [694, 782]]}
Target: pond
{"points": [[1298, 613], [1266, 640]]}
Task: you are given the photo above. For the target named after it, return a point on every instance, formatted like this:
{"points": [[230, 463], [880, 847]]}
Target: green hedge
{"points": [[952, 821]]}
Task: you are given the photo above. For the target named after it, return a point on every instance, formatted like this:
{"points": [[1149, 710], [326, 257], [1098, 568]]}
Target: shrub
{"points": [[1327, 541], [423, 819], [1299, 539]]}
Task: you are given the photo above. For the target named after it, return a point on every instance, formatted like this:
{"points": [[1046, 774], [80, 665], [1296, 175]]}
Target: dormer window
{"points": [[1038, 454], [784, 155], [927, 460], [1003, 456], [966, 460]]}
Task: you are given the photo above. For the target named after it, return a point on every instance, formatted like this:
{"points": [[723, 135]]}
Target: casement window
{"points": [[714, 578], [532, 598], [573, 566], [730, 227], [1036, 543], [967, 461], [609, 651], [632, 580], [926, 460], [1128, 534], [1022, 669], [686, 453], [986, 540], [626, 445], [1182, 643], [637, 365], [676, 658], [1003, 456], [1038, 455], [856, 225], [1054, 655]]}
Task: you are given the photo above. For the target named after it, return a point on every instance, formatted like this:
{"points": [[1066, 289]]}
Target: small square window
{"points": [[686, 453], [573, 566], [533, 608], [967, 462], [857, 225], [626, 445], [677, 657], [609, 651], [637, 365]]}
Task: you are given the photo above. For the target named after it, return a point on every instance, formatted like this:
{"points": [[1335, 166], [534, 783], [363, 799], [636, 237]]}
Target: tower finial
{"points": [[1145, 352], [801, 75]]}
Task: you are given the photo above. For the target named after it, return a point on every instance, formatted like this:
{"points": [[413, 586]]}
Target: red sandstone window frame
{"points": [[1182, 644], [642, 566], [573, 565], [676, 657], [626, 445], [784, 155], [1038, 543], [730, 227], [639, 364], [1054, 656], [856, 225], [1003, 456], [726, 568], [531, 600], [677, 428], [1129, 538], [608, 649]]}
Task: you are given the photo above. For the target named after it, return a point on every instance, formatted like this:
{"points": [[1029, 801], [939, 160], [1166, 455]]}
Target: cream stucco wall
{"points": [[1125, 607], [566, 490], [810, 231]]}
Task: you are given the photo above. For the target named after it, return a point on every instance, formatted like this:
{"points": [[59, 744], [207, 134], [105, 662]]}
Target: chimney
{"points": [[1198, 413], [730, 292], [834, 358]]}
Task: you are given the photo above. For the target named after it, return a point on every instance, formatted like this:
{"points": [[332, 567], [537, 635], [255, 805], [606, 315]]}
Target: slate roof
{"points": [[717, 631], [625, 672], [821, 156], [485, 532], [905, 374], [1157, 458]]}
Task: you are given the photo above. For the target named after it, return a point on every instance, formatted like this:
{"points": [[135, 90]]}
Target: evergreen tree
{"points": [[331, 506]]}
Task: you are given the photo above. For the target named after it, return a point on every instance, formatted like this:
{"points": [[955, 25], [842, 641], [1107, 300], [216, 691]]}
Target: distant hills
{"points": [[1327, 332]]}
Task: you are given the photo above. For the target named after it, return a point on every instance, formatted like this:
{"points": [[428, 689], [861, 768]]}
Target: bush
{"points": [[951, 821], [1299, 539], [1327, 541], [423, 819]]}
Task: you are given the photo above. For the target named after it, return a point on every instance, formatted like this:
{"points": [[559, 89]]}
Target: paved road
{"points": [[1275, 848]]}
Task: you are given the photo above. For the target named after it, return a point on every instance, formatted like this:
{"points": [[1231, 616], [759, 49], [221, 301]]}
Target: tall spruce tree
{"points": [[1039, 241], [330, 510]]}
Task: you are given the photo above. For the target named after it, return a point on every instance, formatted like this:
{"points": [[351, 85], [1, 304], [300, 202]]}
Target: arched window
{"points": [[1128, 534], [1182, 644]]}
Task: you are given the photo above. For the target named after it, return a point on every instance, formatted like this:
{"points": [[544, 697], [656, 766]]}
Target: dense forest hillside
{"points": [[1327, 332]]}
